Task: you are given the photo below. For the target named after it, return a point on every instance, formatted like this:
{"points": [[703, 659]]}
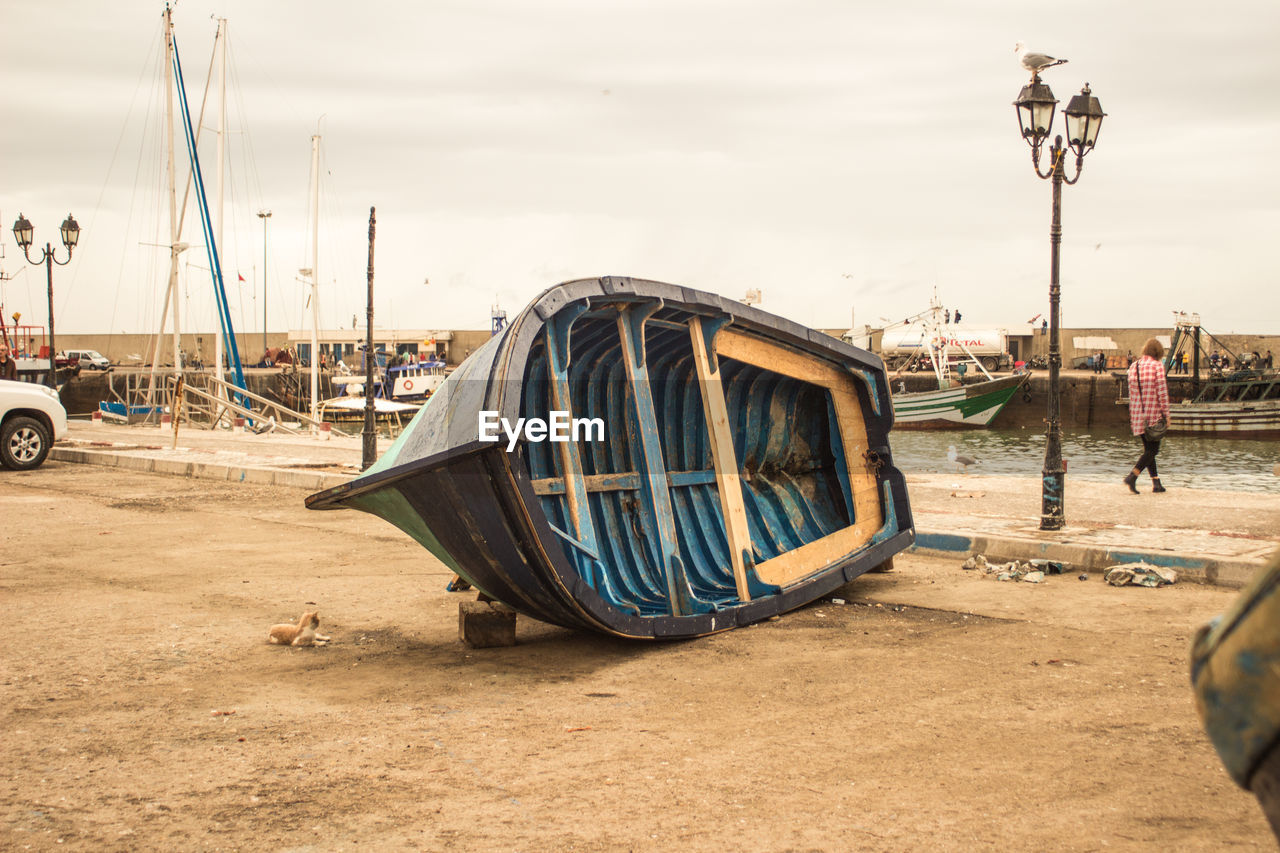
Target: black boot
{"points": [[1132, 482], [1155, 486]]}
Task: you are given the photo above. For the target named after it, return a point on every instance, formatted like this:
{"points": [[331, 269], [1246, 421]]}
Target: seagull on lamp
{"points": [[1035, 62], [960, 461]]}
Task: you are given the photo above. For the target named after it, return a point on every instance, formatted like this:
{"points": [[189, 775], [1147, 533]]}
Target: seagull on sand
{"points": [[1035, 62], [960, 461]]}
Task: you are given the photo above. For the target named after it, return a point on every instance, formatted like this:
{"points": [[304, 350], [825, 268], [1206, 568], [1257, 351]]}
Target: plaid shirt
{"points": [[1148, 394]]}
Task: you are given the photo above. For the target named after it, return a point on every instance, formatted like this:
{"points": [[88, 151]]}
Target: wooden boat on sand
{"points": [[733, 464]]}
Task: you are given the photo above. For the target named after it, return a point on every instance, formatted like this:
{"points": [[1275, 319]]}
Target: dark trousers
{"points": [[1147, 460]]}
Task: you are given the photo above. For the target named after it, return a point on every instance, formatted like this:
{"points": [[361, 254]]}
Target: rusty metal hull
{"points": [[743, 467], [1260, 419]]}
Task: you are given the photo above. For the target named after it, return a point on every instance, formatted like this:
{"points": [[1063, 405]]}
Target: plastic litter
{"points": [[1049, 567], [1140, 574]]}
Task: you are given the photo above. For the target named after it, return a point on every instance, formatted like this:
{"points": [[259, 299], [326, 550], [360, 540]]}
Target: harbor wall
{"points": [[1027, 342], [1132, 340], [1089, 401], [135, 350]]}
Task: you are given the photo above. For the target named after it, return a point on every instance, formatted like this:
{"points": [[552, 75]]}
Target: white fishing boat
{"points": [[954, 404], [958, 406]]}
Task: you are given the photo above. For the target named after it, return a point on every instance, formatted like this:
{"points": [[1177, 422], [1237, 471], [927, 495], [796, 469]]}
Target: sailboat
{"points": [[175, 93]]}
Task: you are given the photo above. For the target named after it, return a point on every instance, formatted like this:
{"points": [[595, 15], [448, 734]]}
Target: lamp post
{"points": [[22, 232], [264, 215], [1083, 118]]}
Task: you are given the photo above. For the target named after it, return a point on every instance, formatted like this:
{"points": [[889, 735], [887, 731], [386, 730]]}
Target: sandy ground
{"points": [[935, 710]]}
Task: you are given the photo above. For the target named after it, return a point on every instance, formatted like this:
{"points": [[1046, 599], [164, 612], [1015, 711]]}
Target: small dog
{"points": [[302, 634]]}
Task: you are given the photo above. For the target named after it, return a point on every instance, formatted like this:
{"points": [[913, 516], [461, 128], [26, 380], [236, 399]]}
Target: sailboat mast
{"points": [[174, 250], [221, 38], [315, 274]]}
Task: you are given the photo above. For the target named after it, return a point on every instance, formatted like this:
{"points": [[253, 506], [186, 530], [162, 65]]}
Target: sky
{"points": [[843, 157]]}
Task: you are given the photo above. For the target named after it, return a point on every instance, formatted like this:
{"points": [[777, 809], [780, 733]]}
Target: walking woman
{"points": [[1148, 411]]}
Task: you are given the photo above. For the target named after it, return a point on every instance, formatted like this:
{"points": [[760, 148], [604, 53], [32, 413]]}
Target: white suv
{"points": [[89, 358], [31, 420]]}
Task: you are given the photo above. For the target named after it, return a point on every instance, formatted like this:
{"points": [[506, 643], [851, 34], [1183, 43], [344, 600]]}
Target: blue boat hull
{"points": [[744, 467]]}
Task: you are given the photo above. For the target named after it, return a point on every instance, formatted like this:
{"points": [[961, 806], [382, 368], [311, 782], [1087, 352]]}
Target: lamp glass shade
{"points": [[1083, 117], [22, 232], [1035, 106], [70, 232]]}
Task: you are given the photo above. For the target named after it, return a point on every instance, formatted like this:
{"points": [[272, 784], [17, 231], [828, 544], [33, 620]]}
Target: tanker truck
{"points": [[987, 345]]}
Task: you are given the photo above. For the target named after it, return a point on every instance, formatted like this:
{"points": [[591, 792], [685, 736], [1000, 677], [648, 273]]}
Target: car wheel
{"points": [[990, 364], [24, 443]]}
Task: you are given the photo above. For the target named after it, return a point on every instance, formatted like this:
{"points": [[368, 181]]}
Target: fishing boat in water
{"points": [[411, 382], [953, 404], [1243, 402], [956, 406], [731, 465]]}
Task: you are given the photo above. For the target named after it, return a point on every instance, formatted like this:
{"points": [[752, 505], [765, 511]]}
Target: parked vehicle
{"points": [[989, 346], [90, 358], [31, 420]]}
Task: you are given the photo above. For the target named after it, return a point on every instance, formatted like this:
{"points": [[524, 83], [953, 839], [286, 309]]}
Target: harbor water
{"points": [[1099, 455]]}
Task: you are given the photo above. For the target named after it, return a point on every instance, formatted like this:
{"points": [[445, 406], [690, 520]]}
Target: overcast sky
{"points": [[839, 156]]}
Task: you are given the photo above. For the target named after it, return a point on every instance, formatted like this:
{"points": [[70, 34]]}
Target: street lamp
{"points": [[1083, 118], [264, 215], [22, 232]]}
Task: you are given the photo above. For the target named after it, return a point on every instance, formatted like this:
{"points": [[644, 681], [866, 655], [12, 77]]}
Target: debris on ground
{"points": [[1084, 576], [1140, 574], [1029, 571], [1015, 570]]}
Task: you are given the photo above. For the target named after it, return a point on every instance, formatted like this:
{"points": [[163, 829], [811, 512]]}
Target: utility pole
{"points": [[370, 443]]}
